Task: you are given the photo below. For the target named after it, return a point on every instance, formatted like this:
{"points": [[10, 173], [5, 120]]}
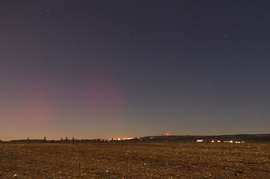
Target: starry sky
{"points": [[102, 69]]}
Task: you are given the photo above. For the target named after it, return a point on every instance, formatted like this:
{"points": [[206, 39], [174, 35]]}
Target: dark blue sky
{"points": [[102, 69]]}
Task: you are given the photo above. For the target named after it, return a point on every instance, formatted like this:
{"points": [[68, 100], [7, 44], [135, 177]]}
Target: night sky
{"points": [[102, 69]]}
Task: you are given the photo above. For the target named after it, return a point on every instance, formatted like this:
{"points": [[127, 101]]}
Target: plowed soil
{"points": [[134, 160]]}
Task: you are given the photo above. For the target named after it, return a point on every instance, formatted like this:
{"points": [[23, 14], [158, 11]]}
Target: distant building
{"points": [[199, 140]]}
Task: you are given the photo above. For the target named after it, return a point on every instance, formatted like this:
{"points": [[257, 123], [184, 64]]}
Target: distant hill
{"points": [[222, 138]]}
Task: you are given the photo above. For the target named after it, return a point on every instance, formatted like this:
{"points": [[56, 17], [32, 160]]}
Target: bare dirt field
{"points": [[134, 160]]}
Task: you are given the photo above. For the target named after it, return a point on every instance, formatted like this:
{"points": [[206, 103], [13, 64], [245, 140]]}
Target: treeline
{"points": [[66, 140]]}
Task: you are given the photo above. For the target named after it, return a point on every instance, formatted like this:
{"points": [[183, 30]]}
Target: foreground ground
{"points": [[134, 160]]}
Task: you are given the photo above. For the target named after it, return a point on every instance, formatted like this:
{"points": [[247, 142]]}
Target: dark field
{"points": [[134, 160]]}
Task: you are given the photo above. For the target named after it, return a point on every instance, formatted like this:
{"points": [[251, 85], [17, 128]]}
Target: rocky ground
{"points": [[134, 160]]}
